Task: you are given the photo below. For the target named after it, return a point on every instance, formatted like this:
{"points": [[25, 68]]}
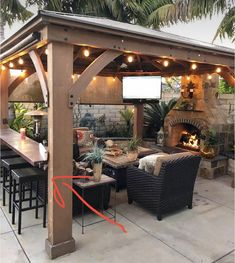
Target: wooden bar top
{"points": [[27, 148]]}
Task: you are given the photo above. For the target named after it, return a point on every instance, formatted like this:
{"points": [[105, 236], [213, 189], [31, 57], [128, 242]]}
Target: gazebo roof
{"points": [[99, 24]]}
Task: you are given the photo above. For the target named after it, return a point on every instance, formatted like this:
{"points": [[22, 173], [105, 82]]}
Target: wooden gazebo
{"points": [[65, 44]]}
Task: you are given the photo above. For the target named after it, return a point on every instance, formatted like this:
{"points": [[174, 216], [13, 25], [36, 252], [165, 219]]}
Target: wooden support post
{"points": [[4, 80], [138, 120], [227, 76], [60, 70]]}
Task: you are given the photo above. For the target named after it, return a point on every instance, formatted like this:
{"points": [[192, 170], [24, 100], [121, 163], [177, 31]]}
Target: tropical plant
{"points": [[209, 137], [133, 144], [224, 88], [11, 11], [20, 121], [154, 115], [96, 156], [127, 116]]}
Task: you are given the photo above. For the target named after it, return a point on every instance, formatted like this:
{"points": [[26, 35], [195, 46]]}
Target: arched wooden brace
{"points": [[17, 82], [92, 70], [227, 76], [35, 57]]}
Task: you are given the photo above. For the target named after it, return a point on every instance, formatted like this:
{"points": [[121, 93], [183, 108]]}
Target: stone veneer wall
{"points": [[227, 105]]}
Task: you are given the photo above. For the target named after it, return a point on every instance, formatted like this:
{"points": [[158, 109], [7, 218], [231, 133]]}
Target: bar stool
{"points": [[8, 165], [25, 176], [5, 154]]}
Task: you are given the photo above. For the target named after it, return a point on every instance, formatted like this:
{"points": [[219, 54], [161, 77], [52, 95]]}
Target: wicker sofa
{"points": [[170, 190]]}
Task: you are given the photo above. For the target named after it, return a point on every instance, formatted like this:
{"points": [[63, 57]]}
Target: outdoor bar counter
{"points": [[26, 148]]}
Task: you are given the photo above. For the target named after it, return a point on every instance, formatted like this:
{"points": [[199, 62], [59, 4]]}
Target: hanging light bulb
{"points": [[3, 67], [188, 78], [11, 65], [86, 52], [21, 61], [46, 51], [218, 70], [209, 76], [193, 66], [165, 63], [94, 78], [114, 79], [130, 59]]}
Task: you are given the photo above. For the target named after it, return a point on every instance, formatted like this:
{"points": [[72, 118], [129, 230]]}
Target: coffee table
{"points": [[116, 167], [84, 184]]}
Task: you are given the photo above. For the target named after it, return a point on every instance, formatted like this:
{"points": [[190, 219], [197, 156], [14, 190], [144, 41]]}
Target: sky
{"points": [[203, 30]]}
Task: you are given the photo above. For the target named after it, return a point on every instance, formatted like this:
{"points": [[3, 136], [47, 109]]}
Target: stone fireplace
{"points": [[197, 109]]}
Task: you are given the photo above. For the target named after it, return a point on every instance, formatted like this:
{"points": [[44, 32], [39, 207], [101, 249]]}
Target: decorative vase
{"points": [[97, 171], [207, 152], [132, 155], [160, 137]]}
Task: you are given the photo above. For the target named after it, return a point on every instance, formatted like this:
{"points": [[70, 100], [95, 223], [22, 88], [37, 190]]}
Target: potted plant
{"points": [[132, 148], [96, 157], [208, 140]]}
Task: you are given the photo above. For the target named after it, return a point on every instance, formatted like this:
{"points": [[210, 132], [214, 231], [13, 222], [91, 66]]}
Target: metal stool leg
{"points": [[13, 202], [20, 208], [45, 205], [36, 209], [31, 194], [3, 186], [10, 191]]}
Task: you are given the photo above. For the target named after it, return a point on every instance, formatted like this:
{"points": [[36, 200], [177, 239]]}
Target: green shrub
{"points": [[224, 88]]}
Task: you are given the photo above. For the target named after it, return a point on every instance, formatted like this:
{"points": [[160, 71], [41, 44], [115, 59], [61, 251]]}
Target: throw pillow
{"points": [[166, 158], [147, 163]]}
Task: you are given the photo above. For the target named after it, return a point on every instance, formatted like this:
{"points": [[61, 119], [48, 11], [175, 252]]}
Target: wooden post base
{"points": [[60, 249]]}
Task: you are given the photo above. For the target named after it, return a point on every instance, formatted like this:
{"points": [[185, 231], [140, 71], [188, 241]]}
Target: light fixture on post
{"points": [[37, 117], [193, 66], [130, 59], [218, 70], [20, 61], [166, 63], [86, 52]]}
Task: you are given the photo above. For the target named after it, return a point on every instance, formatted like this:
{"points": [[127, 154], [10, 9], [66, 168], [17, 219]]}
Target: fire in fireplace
{"points": [[190, 141], [189, 137]]}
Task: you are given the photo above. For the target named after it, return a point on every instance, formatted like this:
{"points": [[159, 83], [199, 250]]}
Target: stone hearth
{"points": [[203, 113]]}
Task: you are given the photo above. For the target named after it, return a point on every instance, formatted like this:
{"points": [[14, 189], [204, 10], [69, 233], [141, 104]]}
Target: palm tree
{"points": [[188, 10], [10, 11]]}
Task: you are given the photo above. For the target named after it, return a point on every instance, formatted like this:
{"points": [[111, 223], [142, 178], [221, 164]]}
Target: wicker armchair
{"points": [[170, 190]]}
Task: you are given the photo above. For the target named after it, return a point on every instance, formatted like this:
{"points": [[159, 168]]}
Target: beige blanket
{"points": [[148, 163]]}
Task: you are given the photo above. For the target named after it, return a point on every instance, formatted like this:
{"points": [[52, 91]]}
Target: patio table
{"points": [[27, 148]]}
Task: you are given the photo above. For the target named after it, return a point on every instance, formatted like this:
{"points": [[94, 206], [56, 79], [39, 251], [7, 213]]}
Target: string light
{"points": [[46, 51], [188, 78], [94, 78], [21, 61], [209, 76], [165, 63], [11, 65], [3, 67], [130, 59], [194, 66], [86, 52], [114, 79], [218, 70]]}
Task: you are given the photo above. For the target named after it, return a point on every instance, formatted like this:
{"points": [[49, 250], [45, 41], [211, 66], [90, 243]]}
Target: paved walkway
{"points": [[203, 234]]}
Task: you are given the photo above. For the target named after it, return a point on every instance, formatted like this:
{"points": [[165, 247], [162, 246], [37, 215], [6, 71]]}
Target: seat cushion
{"points": [[14, 163], [28, 174], [168, 157], [8, 154], [147, 163]]}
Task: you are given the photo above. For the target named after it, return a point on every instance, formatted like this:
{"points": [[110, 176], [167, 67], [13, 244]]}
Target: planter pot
{"points": [[208, 152], [97, 171], [132, 155]]}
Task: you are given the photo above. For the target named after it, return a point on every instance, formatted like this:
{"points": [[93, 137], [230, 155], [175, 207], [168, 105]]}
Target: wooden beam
{"points": [[92, 70], [4, 80], [144, 46], [18, 80], [138, 121], [35, 57], [60, 140], [227, 76]]}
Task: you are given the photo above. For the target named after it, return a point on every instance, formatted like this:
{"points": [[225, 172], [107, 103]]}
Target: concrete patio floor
{"points": [[203, 234]]}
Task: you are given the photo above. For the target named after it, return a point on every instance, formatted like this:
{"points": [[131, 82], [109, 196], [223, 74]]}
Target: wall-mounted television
{"points": [[141, 88]]}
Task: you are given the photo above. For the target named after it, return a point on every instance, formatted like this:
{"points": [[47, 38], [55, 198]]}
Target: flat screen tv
{"points": [[141, 88]]}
